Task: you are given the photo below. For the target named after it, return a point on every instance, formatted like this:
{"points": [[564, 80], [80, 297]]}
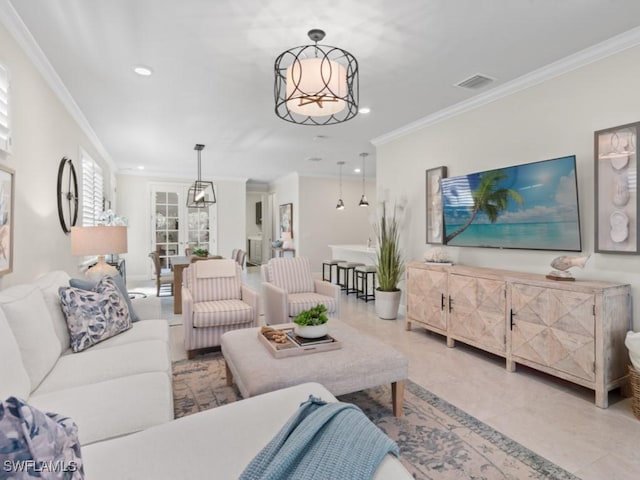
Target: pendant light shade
{"points": [[201, 194], [363, 200], [340, 205], [316, 84]]}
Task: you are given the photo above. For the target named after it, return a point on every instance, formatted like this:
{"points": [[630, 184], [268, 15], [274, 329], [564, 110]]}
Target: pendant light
{"points": [[201, 193], [363, 200], [340, 205], [316, 84]]}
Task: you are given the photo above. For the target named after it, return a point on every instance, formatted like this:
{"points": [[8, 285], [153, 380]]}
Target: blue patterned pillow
{"points": [[94, 315], [88, 285], [36, 444]]}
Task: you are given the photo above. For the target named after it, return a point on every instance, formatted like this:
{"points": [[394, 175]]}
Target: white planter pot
{"points": [[311, 331], [387, 304]]}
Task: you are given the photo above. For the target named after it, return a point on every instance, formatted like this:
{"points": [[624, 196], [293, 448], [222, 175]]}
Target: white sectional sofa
{"points": [[119, 386], [119, 393]]}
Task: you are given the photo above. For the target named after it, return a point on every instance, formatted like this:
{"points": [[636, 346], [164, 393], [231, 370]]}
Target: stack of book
{"points": [[305, 342]]}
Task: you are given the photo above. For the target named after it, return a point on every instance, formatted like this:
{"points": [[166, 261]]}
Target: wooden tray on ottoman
{"points": [[291, 348]]}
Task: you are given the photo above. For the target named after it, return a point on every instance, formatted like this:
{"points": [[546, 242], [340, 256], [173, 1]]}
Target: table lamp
{"points": [[100, 240]]}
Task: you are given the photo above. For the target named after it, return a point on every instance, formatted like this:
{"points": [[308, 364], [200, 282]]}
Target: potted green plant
{"points": [[201, 252], [311, 323], [390, 263]]}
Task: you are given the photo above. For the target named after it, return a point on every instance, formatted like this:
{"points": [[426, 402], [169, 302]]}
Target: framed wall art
{"points": [[616, 195], [435, 220], [6, 219], [286, 220]]}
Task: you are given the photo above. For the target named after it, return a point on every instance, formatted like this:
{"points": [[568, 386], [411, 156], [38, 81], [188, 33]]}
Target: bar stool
{"points": [[347, 269], [364, 274], [330, 264]]}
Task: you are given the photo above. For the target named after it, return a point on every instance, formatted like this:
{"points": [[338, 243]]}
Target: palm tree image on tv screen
{"points": [[531, 206]]}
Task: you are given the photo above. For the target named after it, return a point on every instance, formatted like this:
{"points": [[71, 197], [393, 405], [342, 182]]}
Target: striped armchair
{"points": [[289, 288], [215, 301]]}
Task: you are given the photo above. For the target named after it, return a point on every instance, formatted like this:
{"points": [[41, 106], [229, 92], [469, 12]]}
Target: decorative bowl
{"points": [[311, 331]]}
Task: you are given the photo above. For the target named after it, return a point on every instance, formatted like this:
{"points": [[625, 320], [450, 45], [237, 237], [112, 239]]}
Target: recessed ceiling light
{"points": [[357, 170], [142, 70], [364, 110], [140, 167]]}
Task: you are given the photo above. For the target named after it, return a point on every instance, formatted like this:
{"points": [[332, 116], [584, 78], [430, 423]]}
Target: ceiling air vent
{"points": [[475, 82]]}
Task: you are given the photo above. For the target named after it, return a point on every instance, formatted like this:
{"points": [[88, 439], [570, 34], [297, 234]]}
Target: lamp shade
{"points": [[99, 240], [316, 87]]}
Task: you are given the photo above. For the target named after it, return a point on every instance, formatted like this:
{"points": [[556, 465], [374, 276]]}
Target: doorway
{"points": [[175, 227]]}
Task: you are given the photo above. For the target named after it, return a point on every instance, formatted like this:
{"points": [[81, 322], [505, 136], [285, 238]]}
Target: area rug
{"points": [[436, 439]]}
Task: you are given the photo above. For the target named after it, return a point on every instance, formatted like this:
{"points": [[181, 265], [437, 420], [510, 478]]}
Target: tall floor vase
{"points": [[387, 304]]}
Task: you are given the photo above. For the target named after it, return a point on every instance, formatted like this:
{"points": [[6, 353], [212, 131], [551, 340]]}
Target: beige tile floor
{"points": [[554, 418]]}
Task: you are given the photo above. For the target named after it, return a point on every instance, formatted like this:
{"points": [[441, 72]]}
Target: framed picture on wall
{"points": [[435, 220], [6, 219], [616, 194], [286, 220]]}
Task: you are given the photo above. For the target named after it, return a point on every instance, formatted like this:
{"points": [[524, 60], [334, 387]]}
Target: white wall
{"points": [[322, 225], [316, 222], [134, 203], [552, 119], [43, 132]]}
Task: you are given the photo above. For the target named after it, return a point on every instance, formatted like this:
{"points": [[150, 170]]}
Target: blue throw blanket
{"points": [[322, 441]]}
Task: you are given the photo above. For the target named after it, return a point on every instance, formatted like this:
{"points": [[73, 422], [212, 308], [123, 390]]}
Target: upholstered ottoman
{"points": [[362, 362]]}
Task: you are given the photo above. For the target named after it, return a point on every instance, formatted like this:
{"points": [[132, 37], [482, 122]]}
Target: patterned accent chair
{"points": [[215, 301], [289, 288]]}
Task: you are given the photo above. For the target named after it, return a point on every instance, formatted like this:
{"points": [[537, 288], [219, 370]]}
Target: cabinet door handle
{"points": [[442, 301], [450, 303], [511, 315]]}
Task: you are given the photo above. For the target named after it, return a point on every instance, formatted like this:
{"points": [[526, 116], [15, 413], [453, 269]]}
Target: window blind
{"points": [[92, 191], [5, 132]]}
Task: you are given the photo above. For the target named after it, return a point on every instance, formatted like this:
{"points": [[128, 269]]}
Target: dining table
{"points": [[178, 264]]}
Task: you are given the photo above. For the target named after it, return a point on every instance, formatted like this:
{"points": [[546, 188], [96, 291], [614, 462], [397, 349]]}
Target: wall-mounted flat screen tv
{"points": [[532, 206]]}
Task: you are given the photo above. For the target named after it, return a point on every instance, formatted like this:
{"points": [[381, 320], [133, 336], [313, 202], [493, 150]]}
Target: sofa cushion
{"points": [[141, 331], [95, 366], [45, 438], [226, 437], [293, 275], [49, 284], [94, 315], [114, 407], [223, 312], [14, 380], [122, 288], [32, 326]]}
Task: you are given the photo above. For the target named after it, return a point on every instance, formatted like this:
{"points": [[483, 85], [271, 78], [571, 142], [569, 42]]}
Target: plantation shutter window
{"points": [[5, 132], [92, 191]]}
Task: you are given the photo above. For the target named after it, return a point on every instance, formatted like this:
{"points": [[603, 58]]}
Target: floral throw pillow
{"points": [[94, 315], [37, 444]]}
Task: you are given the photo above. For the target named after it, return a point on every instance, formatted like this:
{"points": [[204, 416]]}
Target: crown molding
{"points": [[19, 31], [177, 176], [617, 44]]}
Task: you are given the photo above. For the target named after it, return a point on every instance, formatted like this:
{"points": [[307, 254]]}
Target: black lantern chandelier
{"points": [[201, 193], [316, 84]]}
